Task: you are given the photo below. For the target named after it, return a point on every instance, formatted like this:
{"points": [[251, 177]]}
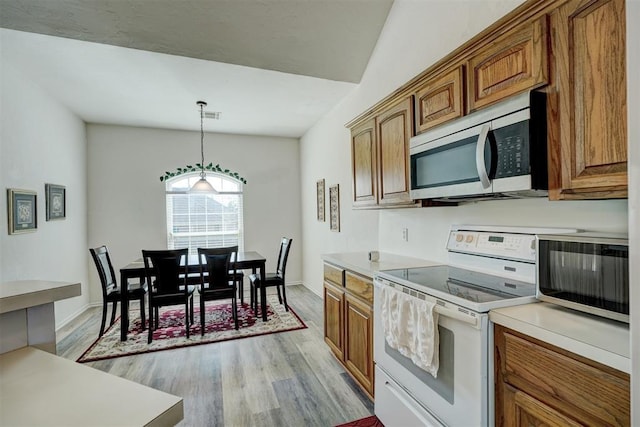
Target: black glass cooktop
{"points": [[474, 290]]}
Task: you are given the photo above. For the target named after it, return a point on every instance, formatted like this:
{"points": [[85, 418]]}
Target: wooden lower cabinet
{"points": [[358, 349], [526, 411], [538, 384], [348, 323], [334, 319]]}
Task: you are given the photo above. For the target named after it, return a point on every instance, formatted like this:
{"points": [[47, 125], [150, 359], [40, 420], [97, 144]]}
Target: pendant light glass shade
{"points": [[202, 185]]}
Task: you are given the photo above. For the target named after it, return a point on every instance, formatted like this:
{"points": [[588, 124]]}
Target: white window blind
{"points": [[204, 220]]}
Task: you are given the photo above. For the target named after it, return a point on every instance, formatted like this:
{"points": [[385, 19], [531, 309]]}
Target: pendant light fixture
{"points": [[202, 185]]}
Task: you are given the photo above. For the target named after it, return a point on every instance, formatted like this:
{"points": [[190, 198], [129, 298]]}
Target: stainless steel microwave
{"points": [[586, 272], [499, 152]]}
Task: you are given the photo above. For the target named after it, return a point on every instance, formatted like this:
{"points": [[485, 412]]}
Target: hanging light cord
{"points": [[202, 104]]}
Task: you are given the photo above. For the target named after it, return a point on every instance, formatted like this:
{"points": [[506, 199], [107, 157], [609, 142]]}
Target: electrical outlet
{"points": [[405, 234]]}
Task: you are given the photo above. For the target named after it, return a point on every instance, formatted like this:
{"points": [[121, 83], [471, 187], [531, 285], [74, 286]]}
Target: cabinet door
{"points": [[334, 319], [439, 100], [525, 411], [358, 349], [583, 390], [513, 63], [589, 44], [364, 164], [394, 128]]}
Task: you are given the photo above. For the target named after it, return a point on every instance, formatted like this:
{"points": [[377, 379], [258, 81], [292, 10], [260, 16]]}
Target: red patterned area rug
{"points": [[219, 326], [371, 421]]}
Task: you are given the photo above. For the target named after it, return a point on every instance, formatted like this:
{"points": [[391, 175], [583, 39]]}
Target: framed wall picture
{"points": [[334, 207], [23, 214], [56, 201], [320, 199]]}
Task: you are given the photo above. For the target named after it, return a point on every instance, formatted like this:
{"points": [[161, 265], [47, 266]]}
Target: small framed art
{"points": [[56, 203], [320, 199], [23, 214], [334, 207]]}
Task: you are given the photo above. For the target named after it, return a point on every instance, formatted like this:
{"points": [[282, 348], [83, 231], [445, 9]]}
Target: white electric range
{"points": [[488, 267]]}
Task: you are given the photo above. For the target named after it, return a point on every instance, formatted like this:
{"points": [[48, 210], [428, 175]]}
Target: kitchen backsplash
{"points": [[426, 229]]}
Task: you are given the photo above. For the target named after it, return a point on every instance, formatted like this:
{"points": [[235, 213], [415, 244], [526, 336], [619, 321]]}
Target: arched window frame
{"points": [[202, 220]]}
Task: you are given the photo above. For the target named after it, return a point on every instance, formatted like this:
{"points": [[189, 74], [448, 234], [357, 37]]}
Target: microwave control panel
{"points": [[503, 245], [512, 143]]}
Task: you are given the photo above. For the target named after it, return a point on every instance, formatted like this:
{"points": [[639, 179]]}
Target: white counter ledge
{"points": [[602, 340], [30, 293], [27, 312], [40, 389], [359, 262]]}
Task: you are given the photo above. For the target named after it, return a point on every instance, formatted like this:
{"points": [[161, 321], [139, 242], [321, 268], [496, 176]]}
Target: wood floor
{"points": [[284, 379]]}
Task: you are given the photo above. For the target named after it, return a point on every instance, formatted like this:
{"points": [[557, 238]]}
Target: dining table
{"points": [[249, 260]]}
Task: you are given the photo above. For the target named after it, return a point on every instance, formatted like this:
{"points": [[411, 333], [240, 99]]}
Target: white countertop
{"points": [[40, 389], [596, 338], [359, 262], [30, 293]]}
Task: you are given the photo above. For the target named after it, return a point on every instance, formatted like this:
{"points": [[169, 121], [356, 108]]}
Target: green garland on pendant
{"points": [[198, 167]]}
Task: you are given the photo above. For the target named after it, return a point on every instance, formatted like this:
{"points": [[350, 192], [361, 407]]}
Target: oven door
{"points": [[460, 394]]}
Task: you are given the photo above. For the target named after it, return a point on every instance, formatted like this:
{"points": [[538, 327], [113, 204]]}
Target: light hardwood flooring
{"points": [[284, 379]]}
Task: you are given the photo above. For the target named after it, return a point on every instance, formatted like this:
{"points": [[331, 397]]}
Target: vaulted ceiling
{"points": [[271, 67]]}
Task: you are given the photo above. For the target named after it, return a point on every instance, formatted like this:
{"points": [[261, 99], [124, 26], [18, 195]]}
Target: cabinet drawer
{"points": [[569, 384], [359, 285], [333, 274]]}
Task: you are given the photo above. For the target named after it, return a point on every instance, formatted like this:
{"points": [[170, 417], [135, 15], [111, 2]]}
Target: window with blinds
{"points": [[204, 220]]}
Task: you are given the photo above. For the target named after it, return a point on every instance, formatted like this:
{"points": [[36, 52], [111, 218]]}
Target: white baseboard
{"points": [[72, 316]]}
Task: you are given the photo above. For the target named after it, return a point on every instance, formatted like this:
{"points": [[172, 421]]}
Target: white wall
{"points": [[428, 227], [127, 200], [43, 142]]}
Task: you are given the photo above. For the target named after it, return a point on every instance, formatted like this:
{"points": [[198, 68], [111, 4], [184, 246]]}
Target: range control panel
{"points": [[501, 245]]}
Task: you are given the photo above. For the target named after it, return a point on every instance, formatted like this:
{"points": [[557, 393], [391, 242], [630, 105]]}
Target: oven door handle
{"points": [[480, 166]]}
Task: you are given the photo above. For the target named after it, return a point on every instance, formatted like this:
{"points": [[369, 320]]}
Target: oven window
{"points": [[596, 275], [443, 385], [453, 163]]}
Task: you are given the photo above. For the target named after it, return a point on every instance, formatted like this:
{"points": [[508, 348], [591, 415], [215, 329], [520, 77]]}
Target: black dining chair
{"points": [[273, 279], [111, 290], [166, 272], [217, 278]]}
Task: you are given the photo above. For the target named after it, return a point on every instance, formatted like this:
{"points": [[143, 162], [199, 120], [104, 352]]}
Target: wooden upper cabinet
{"points": [[515, 62], [394, 128], [364, 164], [589, 49], [440, 99]]}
